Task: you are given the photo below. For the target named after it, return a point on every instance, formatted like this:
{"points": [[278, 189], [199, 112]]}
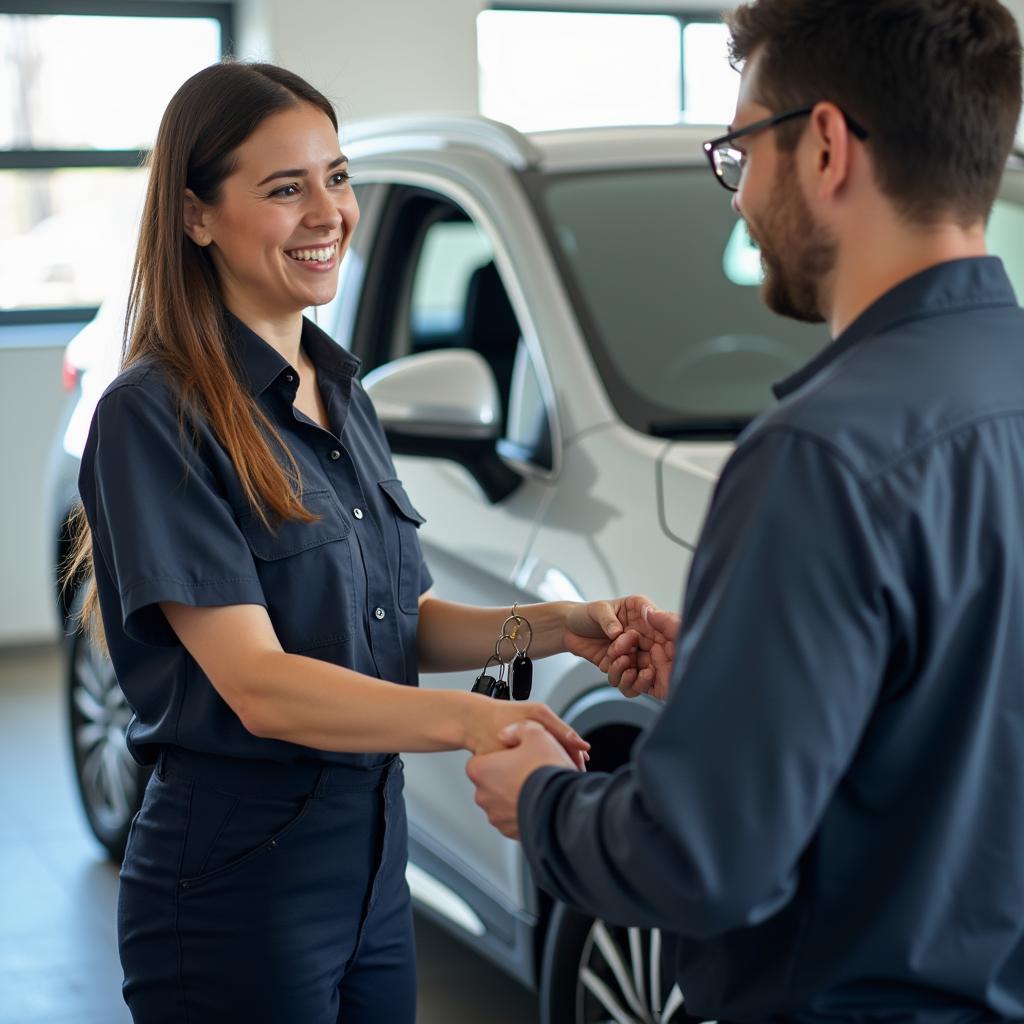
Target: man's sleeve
{"points": [[782, 653], [160, 523]]}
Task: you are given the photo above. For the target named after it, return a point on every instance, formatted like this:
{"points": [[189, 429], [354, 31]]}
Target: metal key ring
{"points": [[497, 649], [519, 622]]}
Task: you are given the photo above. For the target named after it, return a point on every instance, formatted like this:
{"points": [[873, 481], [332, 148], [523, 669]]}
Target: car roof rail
{"points": [[438, 131]]}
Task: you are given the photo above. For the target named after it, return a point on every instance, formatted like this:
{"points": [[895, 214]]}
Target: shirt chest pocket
{"points": [[306, 573], [404, 539]]}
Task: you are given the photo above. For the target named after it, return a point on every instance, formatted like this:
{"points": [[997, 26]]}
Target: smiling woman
{"points": [[257, 574]]}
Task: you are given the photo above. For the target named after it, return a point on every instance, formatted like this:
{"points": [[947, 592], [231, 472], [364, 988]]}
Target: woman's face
{"points": [[284, 218]]}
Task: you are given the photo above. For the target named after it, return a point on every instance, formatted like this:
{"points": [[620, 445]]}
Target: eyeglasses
{"points": [[727, 162]]}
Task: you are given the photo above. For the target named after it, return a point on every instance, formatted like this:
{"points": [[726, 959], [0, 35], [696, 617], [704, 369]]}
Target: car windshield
{"points": [[666, 284]]}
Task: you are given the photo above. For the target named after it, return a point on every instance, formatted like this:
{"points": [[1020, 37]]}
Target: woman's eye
{"points": [[340, 178], [286, 191]]}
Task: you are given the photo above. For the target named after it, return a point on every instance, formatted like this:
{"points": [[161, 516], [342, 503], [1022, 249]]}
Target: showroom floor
{"points": [[58, 959]]}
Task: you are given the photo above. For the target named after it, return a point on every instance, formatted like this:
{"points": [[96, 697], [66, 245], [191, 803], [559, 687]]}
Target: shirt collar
{"points": [[971, 283], [261, 364]]}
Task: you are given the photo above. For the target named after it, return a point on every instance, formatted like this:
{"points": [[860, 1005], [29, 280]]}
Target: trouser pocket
{"points": [[228, 833]]}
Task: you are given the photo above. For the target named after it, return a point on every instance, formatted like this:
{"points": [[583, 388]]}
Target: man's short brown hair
{"points": [[936, 83]]}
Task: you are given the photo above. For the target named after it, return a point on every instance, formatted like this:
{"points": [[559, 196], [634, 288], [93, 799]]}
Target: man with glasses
{"points": [[829, 813]]}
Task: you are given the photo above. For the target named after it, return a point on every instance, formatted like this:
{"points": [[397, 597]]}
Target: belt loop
{"points": [[161, 761]]}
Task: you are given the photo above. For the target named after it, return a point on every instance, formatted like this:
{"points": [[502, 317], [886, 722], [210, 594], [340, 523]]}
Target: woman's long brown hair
{"points": [[175, 312]]}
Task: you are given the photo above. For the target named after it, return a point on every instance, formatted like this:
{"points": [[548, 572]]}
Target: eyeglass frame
{"points": [[759, 126]]}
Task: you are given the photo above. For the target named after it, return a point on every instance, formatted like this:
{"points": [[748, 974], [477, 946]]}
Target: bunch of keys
{"points": [[518, 665]]}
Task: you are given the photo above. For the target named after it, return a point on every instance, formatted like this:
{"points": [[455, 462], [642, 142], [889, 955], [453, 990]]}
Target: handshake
{"points": [[627, 639]]}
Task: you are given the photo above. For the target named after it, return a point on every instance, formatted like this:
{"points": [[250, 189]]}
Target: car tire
{"points": [[109, 780], [594, 972]]}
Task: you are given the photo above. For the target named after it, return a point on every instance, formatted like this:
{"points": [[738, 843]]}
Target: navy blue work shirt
{"points": [[170, 522], [829, 813]]}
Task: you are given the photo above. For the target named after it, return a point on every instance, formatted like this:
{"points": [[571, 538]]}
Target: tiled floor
{"points": [[58, 957]]}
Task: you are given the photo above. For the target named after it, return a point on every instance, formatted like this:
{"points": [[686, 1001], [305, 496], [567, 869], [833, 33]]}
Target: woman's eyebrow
{"points": [[300, 172]]}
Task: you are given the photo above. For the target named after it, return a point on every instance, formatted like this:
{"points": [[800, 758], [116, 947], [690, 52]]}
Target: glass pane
{"points": [[77, 82], [675, 305], [1005, 235], [452, 251], [544, 69], [66, 236], [711, 82]]}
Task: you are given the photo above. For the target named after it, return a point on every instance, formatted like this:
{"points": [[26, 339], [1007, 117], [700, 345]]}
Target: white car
{"points": [[562, 334]]}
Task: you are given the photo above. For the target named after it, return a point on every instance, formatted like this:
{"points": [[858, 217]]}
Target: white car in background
{"points": [[563, 335]]}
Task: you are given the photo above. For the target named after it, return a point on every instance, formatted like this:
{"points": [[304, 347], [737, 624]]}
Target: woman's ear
{"points": [[196, 217]]}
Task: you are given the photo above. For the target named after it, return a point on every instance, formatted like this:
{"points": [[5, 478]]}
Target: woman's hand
{"points": [[487, 717]]}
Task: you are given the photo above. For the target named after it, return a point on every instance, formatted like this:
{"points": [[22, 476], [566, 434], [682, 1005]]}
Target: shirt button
{"points": [[380, 613], [335, 455], [358, 513], [289, 377]]}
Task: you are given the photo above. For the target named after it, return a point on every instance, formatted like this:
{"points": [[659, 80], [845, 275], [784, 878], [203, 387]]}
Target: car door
{"points": [[432, 283]]}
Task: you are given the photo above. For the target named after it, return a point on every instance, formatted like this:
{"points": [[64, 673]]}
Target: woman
{"points": [[262, 591]]}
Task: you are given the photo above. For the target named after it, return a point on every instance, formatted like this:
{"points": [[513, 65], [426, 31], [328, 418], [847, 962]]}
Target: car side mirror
{"points": [[444, 405]]}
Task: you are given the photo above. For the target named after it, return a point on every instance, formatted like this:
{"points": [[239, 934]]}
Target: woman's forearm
{"points": [[317, 704], [332, 708], [458, 637]]}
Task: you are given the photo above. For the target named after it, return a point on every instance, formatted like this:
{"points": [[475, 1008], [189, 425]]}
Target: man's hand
{"points": [[488, 721], [640, 659], [591, 628], [499, 777]]}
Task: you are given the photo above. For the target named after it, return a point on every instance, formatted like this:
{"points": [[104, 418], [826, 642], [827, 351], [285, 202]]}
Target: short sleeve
{"points": [[159, 521]]}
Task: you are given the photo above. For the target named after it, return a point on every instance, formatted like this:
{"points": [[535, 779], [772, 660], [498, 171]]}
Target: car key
{"points": [[522, 676], [486, 684]]}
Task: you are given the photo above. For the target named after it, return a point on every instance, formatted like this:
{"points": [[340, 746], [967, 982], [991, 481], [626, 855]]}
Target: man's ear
{"points": [[830, 137], [197, 217]]}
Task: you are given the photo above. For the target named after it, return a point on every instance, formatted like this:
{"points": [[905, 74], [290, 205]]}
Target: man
{"points": [[829, 813]]}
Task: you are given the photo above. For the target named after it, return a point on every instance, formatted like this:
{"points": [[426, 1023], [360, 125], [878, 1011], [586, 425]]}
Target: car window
{"points": [[451, 253], [668, 282], [455, 297], [1005, 237]]}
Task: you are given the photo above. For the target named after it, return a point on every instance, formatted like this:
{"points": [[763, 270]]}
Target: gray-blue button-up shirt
{"points": [[171, 522], [829, 813]]}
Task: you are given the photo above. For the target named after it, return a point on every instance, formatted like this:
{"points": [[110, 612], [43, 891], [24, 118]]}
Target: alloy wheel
{"points": [[622, 979], [109, 779]]}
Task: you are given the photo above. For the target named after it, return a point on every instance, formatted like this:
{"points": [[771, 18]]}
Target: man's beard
{"points": [[796, 252]]}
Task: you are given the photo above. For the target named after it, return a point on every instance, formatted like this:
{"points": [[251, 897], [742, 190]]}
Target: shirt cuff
{"points": [[528, 810]]}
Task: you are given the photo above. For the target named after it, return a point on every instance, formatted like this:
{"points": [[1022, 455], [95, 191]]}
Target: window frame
{"points": [[22, 159], [684, 15]]}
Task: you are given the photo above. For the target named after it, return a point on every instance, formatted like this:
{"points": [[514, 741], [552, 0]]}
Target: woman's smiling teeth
{"points": [[315, 255]]}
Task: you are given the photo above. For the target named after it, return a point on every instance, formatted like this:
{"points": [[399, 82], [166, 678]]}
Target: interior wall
{"points": [[31, 406], [371, 59]]}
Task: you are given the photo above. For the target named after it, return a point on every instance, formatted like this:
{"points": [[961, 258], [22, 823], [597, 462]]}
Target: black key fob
{"points": [[500, 690], [522, 676], [485, 684]]}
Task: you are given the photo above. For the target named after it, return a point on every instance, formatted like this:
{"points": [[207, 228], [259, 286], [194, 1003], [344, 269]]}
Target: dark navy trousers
{"points": [[267, 893]]}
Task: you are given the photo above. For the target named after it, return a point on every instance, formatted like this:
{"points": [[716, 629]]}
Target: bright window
{"points": [[561, 69], [711, 82], [81, 96]]}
